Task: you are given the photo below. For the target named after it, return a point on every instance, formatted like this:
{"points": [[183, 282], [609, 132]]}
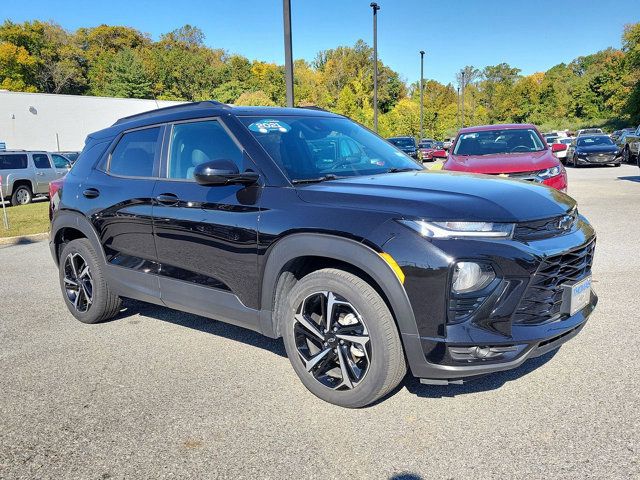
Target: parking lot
{"points": [[158, 393]]}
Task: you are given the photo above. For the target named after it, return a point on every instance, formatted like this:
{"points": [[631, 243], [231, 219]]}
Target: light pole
{"points": [[421, 94], [462, 100], [458, 102], [375, 8], [288, 58]]}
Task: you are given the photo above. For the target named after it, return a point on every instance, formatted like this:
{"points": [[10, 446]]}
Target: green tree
{"points": [[127, 77]]}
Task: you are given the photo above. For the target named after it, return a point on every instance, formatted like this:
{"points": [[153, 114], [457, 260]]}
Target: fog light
{"points": [[471, 276]]}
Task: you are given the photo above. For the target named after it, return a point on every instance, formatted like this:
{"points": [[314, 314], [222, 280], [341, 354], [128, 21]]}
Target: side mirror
{"points": [[558, 147], [222, 172], [439, 154]]}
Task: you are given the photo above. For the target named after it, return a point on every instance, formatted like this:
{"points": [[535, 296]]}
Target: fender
{"points": [[73, 219], [337, 248], [11, 180]]}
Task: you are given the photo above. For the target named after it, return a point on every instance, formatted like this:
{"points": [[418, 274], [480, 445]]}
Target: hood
{"points": [[502, 162], [597, 149], [437, 195]]}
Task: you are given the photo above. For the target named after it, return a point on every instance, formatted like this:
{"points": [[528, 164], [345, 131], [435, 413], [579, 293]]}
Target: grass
{"points": [[25, 219]]}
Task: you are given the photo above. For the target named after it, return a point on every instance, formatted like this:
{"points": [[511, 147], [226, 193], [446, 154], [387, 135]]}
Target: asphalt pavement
{"points": [[162, 394]]}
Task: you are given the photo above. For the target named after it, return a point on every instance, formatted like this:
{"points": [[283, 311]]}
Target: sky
{"points": [[532, 35]]}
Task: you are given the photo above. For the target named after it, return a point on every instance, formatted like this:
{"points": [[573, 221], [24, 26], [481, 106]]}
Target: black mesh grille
{"points": [[542, 300], [545, 228]]}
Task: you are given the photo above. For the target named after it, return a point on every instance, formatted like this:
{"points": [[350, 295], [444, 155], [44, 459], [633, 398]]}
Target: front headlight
{"points": [[549, 172], [460, 229]]}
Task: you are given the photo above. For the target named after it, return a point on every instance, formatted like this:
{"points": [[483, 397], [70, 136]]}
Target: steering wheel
{"points": [[520, 148], [350, 160]]}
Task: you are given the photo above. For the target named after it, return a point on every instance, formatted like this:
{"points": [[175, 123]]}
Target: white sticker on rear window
{"points": [[269, 125]]}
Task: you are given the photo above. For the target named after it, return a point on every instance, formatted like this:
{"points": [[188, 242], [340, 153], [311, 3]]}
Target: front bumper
{"points": [[528, 341], [598, 159], [444, 350]]}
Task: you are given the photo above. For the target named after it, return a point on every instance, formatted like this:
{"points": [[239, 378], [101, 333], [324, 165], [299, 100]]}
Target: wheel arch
{"points": [[302, 253], [15, 183], [70, 225]]}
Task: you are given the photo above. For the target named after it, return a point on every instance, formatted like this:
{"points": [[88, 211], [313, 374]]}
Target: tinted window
{"points": [[11, 162], [403, 142], [41, 160], [592, 141], [311, 147], [200, 142], [135, 153], [59, 161]]}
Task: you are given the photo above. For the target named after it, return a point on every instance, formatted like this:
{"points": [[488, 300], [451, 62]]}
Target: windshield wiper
{"points": [[403, 169], [324, 178]]}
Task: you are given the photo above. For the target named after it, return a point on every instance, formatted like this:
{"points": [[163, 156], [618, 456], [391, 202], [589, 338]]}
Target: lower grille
{"points": [[542, 300], [601, 157]]}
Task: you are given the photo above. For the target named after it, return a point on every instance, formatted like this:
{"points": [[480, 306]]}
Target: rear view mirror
{"points": [[222, 172], [558, 147]]}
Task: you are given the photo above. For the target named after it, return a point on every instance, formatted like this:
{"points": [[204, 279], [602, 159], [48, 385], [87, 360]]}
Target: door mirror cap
{"points": [[222, 172], [558, 147], [439, 154]]}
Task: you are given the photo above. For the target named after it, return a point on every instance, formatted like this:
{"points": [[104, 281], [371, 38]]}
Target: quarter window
{"points": [[13, 162], [198, 142], [135, 153], [41, 160]]}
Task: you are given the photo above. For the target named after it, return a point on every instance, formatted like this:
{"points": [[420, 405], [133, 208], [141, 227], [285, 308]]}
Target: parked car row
{"points": [[26, 174]]}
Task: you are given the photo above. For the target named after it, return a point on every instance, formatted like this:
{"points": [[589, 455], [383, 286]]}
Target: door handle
{"points": [[39, 173], [91, 193], [167, 199]]}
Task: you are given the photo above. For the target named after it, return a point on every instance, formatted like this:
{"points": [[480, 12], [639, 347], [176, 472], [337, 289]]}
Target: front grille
{"points": [[601, 157], [545, 228], [542, 300]]}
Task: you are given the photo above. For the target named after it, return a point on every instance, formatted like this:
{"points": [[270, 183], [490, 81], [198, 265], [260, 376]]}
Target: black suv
{"points": [[304, 225]]}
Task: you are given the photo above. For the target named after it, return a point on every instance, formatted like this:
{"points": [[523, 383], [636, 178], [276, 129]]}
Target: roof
{"points": [[499, 126], [208, 108]]}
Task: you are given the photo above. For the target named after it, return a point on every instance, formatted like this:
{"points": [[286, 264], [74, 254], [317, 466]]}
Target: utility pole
{"points": [[375, 8], [288, 58], [462, 108], [458, 105], [421, 94]]}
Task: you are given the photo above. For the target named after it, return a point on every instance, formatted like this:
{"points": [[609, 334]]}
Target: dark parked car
{"points": [[364, 263], [406, 144], [594, 150], [72, 156], [629, 146]]}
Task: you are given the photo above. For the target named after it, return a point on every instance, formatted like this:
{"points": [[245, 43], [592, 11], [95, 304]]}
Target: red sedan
{"points": [[517, 151]]}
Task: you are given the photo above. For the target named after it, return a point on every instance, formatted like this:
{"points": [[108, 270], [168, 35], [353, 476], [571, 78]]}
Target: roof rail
{"points": [[314, 107], [172, 108]]}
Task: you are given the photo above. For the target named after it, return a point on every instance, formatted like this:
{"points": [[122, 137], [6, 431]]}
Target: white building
{"points": [[42, 121]]}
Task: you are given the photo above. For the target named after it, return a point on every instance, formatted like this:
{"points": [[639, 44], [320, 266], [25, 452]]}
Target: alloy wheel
{"points": [[78, 283], [22, 196], [332, 340]]}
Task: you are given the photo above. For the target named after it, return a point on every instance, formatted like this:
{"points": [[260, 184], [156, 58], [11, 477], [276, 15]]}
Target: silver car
{"points": [[27, 174]]}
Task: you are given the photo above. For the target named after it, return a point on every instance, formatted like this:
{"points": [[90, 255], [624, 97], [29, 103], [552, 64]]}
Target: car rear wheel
{"points": [[21, 196], [625, 155], [84, 287], [341, 339]]}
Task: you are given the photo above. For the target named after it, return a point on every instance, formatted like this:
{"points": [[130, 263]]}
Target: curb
{"points": [[36, 237]]}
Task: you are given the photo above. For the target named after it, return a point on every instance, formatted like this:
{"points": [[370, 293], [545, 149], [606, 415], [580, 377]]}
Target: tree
{"points": [[127, 77], [16, 68], [255, 98]]}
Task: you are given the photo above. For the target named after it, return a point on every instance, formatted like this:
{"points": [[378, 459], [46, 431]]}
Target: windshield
{"points": [[566, 141], [403, 142], [592, 141], [312, 147], [425, 145], [499, 141]]}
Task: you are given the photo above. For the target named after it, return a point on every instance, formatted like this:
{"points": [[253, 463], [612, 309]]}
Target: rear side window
{"points": [[195, 143], [135, 153], [13, 162], [41, 160]]}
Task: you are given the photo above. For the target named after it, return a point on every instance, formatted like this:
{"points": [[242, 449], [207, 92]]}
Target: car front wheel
{"points": [[341, 339]]}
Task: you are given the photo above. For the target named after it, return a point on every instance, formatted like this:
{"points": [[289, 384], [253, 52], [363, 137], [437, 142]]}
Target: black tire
{"points": [[616, 164], [100, 302], [626, 157], [385, 362], [22, 195]]}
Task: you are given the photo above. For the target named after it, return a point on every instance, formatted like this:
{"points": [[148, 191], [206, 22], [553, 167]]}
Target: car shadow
{"points": [[202, 324], [631, 179], [484, 383]]}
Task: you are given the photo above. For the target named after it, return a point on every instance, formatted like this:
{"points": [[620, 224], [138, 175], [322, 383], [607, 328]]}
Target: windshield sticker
{"points": [[268, 125]]}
